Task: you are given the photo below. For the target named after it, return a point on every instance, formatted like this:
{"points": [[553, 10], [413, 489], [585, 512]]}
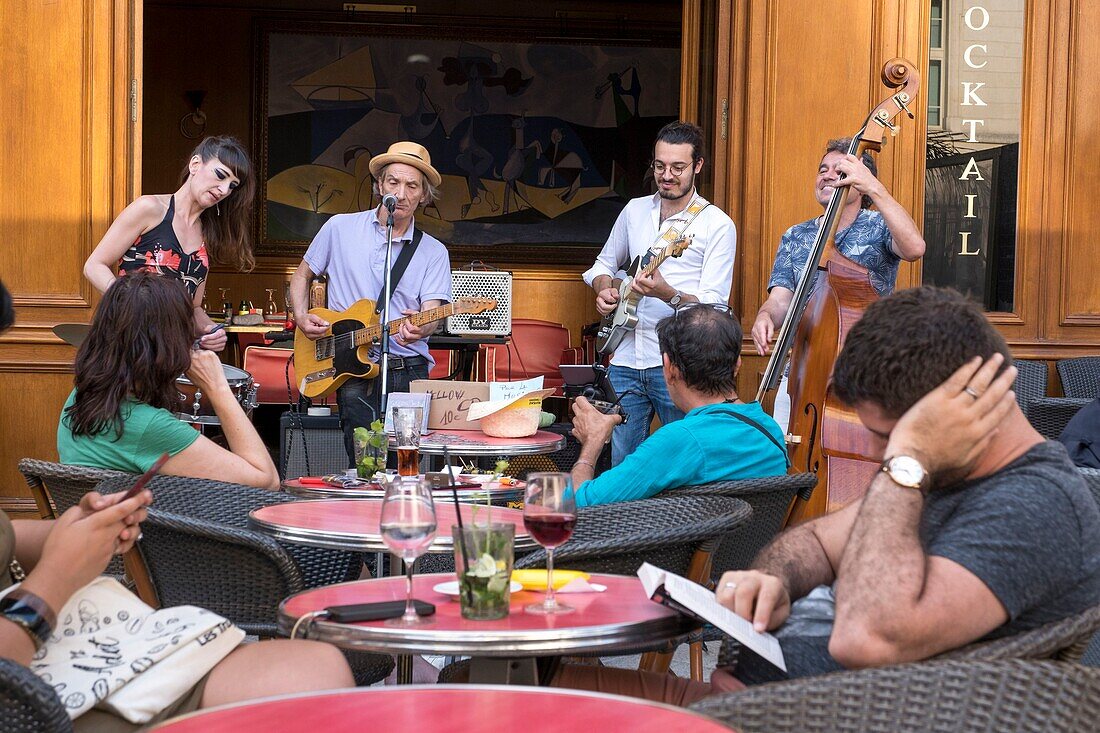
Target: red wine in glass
{"points": [[550, 529]]}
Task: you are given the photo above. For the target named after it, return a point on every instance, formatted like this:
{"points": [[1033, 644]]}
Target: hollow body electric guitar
{"points": [[619, 322], [346, 349]]}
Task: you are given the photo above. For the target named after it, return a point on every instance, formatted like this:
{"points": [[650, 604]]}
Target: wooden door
{"points": [[71, 89]]}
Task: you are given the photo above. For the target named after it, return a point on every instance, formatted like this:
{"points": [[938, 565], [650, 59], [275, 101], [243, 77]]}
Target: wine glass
{"points": [[270, 309], [549, 514], [407, 525]]}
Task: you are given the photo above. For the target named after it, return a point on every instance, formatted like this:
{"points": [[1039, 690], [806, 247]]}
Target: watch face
{"points": [[906, 471]]}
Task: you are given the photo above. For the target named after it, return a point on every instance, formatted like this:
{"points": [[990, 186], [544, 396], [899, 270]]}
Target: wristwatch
{"points": [[907, 472], [674, 301], [31, 612]]}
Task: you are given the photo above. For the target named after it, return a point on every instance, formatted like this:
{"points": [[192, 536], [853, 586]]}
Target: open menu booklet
{"points": [[681, 594]]}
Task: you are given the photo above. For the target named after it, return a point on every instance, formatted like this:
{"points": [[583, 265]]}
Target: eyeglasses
{"points": [[720, 307], [676, 169]]}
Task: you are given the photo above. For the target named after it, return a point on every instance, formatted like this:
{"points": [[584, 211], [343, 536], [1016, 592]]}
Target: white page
{"points": [[703, 603], [512, 390]]}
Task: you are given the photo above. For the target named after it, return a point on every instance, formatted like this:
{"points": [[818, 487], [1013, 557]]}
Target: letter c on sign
{"points": [[969, 61]]}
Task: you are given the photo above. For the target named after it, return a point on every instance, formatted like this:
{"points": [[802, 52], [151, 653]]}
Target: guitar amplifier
{"points": [[495, 284]]}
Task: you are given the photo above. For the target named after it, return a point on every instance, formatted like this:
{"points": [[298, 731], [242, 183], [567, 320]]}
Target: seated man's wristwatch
{"points": [[907, 472], [674, 301]]}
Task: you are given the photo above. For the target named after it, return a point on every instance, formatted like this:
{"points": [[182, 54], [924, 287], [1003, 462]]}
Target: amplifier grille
{"points": [[473, 283]]}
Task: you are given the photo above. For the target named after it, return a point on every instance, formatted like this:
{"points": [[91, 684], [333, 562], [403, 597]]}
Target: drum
{"points": [[195, 407]]}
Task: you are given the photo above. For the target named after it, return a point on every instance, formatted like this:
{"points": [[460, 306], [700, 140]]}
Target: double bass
{"points": [[825, 435]]}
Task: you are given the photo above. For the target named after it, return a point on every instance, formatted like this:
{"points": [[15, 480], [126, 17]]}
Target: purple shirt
{"points": [[350, 250]]}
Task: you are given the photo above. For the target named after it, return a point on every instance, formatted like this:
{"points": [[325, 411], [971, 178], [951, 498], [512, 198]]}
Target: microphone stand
{"points": [[385, 376]]}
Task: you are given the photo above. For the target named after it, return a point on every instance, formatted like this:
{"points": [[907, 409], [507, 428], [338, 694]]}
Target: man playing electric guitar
{"points": [[702, 273], [351, 250]]}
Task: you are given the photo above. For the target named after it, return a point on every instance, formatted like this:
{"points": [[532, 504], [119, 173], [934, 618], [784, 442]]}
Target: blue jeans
{"points": [[648, 395]]}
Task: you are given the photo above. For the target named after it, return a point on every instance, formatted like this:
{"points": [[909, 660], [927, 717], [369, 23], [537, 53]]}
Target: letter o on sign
{"points": [[984, 18]]}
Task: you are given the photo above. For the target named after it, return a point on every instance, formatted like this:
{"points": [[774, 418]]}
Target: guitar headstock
{"points": [[474, 305], [677, 247]]}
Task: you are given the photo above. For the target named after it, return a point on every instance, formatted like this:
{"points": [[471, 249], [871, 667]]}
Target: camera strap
{"points": [[758, 426]]}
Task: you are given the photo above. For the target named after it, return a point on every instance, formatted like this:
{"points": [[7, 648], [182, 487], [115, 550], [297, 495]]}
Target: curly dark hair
{"points": [[228, 234], [704, 343], [681, 133], [909, 343], [138, 344], [841, 145]]}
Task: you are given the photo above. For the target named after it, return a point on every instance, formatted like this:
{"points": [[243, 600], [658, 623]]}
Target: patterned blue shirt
{"points": [[867, 242]]}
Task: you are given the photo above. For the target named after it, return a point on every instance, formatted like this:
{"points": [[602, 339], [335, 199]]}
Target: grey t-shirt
{"points": [[1030, 532]]}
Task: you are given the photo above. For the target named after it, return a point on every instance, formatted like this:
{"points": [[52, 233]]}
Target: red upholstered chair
{"points": [[268, 365], [535, 348], [442, 368]]}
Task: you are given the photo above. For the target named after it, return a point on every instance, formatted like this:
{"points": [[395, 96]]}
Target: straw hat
{"points": [[408, 153]]}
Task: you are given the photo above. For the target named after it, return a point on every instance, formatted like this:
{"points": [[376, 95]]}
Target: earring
{"points": [[218, 208]]}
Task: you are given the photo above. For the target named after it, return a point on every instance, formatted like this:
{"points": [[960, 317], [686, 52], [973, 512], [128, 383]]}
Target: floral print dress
{"points": [[160, 251]]}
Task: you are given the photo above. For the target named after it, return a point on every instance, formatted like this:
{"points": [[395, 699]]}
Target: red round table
{"points": [[621, 620], [446, 709], [313, 488], [477, 443], [352, 524]]}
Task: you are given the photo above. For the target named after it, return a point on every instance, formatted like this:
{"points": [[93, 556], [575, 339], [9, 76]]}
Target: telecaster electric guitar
{"points": [[321, 366], [616, 324]]}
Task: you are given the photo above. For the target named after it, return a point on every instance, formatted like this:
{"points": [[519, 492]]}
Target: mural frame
{"points": [[556, 250]]}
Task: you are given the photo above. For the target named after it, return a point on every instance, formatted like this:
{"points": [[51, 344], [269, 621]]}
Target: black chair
{"points": [[236, 573], [28, 704], [1080, 377], [665, 531], [944, 697], [1031, 382], [769, 497], [1050, 415], [214, 516]]}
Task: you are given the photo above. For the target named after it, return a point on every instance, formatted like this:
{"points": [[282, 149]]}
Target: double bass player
{"points": [[878, 240]]}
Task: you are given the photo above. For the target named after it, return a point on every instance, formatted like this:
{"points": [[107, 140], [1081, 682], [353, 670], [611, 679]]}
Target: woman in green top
{"points": [[119, 414]]}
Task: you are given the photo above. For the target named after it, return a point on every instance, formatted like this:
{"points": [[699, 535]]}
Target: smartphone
{"points": [[144, 478], [356, 612]]}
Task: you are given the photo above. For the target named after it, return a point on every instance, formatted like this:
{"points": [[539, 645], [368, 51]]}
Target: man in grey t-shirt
{"points": [[974, 528]]}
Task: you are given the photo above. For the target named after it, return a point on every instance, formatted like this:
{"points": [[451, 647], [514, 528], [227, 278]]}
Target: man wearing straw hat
{"points": [[350, 249]]}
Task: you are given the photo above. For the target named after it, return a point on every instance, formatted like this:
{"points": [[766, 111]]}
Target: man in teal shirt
{"points": [[720, 438]]}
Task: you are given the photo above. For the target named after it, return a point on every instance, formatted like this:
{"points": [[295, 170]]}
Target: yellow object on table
{"points": [[535, 578]]}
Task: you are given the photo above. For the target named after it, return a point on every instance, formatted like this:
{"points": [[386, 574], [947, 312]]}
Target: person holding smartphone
{"points": [[59, 557], [119, 415]]}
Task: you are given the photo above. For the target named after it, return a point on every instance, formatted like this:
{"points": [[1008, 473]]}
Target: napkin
{"points": [[580, 585]]}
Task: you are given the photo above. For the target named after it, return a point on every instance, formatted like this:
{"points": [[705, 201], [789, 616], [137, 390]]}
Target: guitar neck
{"points": [[370, 334], [656, 262]]}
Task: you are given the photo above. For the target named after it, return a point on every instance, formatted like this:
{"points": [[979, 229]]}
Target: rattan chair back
{"points": [[945, 697], [28, 704]]}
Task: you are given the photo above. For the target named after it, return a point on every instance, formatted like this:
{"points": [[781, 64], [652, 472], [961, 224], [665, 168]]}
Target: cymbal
{"points": [[72, 333]]}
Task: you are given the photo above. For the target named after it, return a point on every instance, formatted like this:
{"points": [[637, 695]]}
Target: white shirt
{"points": [[705, 269]]}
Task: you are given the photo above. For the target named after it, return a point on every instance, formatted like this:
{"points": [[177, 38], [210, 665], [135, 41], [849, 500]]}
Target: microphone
{"points": [[390, 202]]}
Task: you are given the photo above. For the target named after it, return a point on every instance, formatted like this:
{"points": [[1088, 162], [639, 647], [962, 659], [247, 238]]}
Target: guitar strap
{"points": [[399, 268], [673, 233]]}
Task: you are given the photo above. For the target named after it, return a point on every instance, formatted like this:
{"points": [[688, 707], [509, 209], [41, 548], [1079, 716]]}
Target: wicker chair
{"points": [[769, 497], [1080, 377], [57, 487], [1031, 382], [222, 509], [28, 704], [664, 531], [954, 696], [1063, 641], [1050, 415], [236, 573]]}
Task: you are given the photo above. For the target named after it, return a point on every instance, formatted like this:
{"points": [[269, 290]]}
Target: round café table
{"points": [[352, 524], [620, 620], [477, 443], [445, 709], [468, 493]]}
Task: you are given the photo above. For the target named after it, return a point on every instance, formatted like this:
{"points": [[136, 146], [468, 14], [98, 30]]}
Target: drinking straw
{"points": [[461, 534]]}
